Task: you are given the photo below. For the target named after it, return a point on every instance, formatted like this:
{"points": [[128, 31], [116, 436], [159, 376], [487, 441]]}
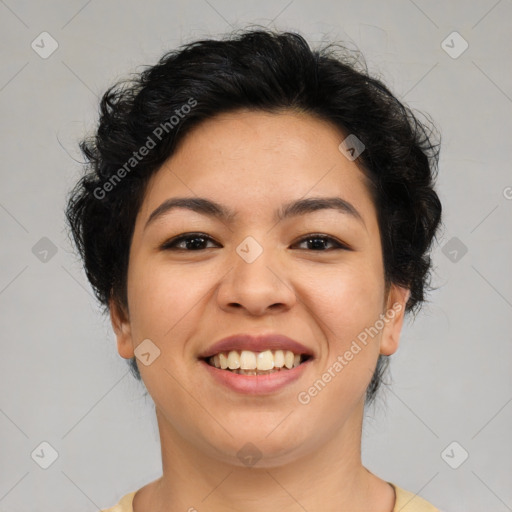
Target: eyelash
{"points": [[171, 245]]}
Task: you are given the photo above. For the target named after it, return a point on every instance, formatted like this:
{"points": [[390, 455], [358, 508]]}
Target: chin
{"points": [[259, 449]]}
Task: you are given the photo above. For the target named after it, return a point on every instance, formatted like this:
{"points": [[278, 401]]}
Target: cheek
{"points": [[347, 297], [162, 297], [347, 301], [346, 307]]}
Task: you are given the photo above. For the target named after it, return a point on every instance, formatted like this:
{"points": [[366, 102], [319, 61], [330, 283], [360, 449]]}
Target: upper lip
{"points": [[255, 343]]}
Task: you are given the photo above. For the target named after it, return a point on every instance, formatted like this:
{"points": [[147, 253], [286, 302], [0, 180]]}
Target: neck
{"points": [[329, 477]]}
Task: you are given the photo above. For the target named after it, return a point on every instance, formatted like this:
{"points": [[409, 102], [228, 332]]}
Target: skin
{"points": [[184, 301]]}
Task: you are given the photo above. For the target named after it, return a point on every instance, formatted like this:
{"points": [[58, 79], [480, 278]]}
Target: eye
{"points": [[319, 242], [188, 242]]}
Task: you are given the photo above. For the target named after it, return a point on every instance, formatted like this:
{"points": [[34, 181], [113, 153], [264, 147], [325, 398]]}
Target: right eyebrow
{"points": [[197, 204]]}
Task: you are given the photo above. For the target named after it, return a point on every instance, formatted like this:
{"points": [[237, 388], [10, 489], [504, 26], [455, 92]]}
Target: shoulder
{"points": [[405, 502], [408, 502], [124, 505]]}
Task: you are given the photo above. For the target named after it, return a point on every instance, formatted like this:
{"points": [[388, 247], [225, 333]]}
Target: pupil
{"points": [[194, 244], [316, 243]]}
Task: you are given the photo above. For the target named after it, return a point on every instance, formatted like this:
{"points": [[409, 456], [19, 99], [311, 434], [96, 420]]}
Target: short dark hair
{"points": [[261, 70]]}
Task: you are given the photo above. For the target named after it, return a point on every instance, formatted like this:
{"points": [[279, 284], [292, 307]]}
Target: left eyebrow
{"points": [[294, 208], [313, 204]]}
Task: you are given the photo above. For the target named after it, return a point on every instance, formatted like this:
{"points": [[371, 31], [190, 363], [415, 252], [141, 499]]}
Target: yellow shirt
{"points": [[405, 502]]}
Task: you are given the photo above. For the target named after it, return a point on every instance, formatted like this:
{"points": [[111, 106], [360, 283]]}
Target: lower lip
{"points": [[256, 384]]}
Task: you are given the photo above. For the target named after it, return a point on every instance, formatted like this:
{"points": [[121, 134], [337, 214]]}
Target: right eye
{"points": [[188, 242]]}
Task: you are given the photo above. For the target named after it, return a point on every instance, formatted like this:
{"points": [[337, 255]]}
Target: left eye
{"points": [[189, 242], [319, 242]]}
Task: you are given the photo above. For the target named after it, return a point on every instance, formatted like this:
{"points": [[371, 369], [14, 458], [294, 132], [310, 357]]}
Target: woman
{"points": [[256, 218]]}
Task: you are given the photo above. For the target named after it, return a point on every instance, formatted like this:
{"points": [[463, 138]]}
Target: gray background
{"points": [[62, 379]]}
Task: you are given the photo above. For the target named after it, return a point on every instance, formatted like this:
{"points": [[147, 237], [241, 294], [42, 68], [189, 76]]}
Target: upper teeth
{"points": [[248, 360]]}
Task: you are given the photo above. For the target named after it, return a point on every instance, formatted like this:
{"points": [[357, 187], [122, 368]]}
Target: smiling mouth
{"points": [[247, 362]]}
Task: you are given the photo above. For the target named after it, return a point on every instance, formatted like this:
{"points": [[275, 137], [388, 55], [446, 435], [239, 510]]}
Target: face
{"points": [[313, 273]]}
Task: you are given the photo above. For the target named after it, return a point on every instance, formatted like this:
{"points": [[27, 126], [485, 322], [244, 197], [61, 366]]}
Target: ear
{"points": [[120, 321], [393, 319]]}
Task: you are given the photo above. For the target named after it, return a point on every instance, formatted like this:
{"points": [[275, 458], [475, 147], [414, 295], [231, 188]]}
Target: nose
{"points": [[256, 287]]}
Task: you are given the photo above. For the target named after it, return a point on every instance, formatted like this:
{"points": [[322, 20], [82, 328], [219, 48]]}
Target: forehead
{"points": [[250, 159]]}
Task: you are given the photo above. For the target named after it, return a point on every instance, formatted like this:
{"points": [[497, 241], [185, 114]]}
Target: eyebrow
{"points": [[211, 208]]}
